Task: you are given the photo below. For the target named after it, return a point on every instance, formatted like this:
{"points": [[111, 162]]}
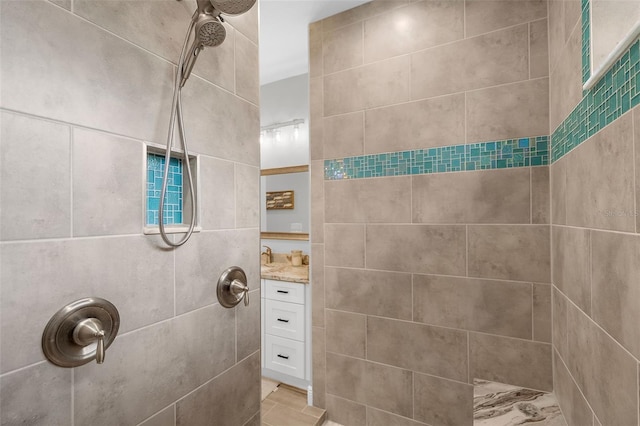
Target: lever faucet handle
{"points": [[88, 331], [237, 287]]}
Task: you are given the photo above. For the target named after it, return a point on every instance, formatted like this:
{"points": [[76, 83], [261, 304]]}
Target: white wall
{"points": [[280, 102]]}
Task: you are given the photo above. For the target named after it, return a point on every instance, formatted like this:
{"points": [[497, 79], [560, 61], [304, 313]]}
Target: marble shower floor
{"points": [[498, 404]]}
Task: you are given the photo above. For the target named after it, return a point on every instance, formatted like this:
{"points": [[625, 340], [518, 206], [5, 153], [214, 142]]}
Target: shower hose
{"points": [[176, 112]]}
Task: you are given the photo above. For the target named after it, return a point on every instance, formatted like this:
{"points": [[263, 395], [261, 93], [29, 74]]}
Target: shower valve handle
{"points": [[88, 331], [238, 287]]}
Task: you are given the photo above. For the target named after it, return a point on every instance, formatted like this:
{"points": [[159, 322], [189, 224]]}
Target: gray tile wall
{"points": [[84, 85], [428, 282], [595, 249]]}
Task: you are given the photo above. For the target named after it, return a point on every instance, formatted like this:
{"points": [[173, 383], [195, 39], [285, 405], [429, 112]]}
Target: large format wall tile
{"points": [[482, 16], [496, 307], [162, 33], [636, 138], [514, 361], [166, 417], [345, 412], [369, 292], [315, 49], [344, 245], [415, 125], [359, 381], [317, 202], [571, 251], [600, 182], [565, 82], [317, 285], [509, 111], [344, 135], [246, 66], [495, 196], [200, 262], [79, 76], [130, 272], [369, 86], [575, 409], [346, 333], [415, 27], [368, 200], [542, 313], [318, 358], [217, 182], [362, 12], [616, 293], [558, 189], [442, 402], [247, 334], [231, 398], [382, 418], [538, 49], [108, 168], [510, 252], [208, 112], [604, 371], [559, 322], [540, 203], [39, 395], [148, 369], [349, 53], [432, 350], [247, 196], [429, 249], [488, 60], [36, 201]]}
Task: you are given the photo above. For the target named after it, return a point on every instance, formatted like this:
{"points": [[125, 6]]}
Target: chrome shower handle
{"points": [[88, 331]]}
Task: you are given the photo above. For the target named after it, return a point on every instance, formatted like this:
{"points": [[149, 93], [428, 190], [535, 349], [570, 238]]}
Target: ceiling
{"points": [[284, 34]]}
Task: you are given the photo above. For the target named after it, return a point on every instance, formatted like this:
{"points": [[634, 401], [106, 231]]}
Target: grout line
{"points": [[469, 358], [73, 400], [590, 270], [635, 172], [530, 195], [533, 314], [466, 243], [71, 137], [464, 19], [597, 325], [574, 382], [529, 48]]}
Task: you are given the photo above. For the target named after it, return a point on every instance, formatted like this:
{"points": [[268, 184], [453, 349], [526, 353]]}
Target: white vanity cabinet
{"points": [[286, 332]]}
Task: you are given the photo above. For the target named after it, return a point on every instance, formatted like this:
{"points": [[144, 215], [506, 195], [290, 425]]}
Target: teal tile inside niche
{"points": [[172, 211]]}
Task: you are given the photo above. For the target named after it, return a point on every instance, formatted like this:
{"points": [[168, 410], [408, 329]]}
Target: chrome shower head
{"points": [[233, 7], [209, 32]]}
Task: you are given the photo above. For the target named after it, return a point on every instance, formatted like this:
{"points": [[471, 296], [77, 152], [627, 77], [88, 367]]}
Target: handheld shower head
{"points": [[209, 31], [233, 7]]}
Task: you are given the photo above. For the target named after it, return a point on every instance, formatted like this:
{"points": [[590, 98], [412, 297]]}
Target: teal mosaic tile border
{"points": [[502, 154], [173, 201], [616, 93]]}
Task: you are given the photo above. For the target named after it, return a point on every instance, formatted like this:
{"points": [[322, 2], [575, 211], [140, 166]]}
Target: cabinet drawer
{"points": [[284, 355], [285, 319], [284, 291]]}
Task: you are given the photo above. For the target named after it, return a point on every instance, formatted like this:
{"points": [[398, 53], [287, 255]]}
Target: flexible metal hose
{"points": [[176, 112]]}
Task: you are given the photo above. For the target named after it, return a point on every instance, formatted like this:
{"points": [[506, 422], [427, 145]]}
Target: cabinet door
{"points": [[284, 291], [285, 356], [285, 320]]}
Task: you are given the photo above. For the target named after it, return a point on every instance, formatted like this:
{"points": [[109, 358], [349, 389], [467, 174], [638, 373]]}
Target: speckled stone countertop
{"points": [[285, 272]]}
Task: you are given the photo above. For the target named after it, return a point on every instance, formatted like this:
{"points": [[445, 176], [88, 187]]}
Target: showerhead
{"points": [[233, 7], [209, 31]]}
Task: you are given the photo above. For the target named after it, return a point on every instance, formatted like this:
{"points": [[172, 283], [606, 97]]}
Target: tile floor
{"points": [[287, 406]]}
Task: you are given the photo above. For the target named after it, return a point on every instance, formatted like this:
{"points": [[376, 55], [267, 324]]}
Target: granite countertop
{"points": [[285, 272]]}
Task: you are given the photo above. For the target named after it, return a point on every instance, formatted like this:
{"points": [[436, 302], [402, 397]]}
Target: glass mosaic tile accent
{"points": [[173, 200], [616, 93], [503, 154]]}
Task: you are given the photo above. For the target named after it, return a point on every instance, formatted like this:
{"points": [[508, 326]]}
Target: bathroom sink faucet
{"points": [[268, 253]]}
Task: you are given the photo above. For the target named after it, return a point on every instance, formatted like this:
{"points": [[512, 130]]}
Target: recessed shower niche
{"points": [[178, 209]]}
